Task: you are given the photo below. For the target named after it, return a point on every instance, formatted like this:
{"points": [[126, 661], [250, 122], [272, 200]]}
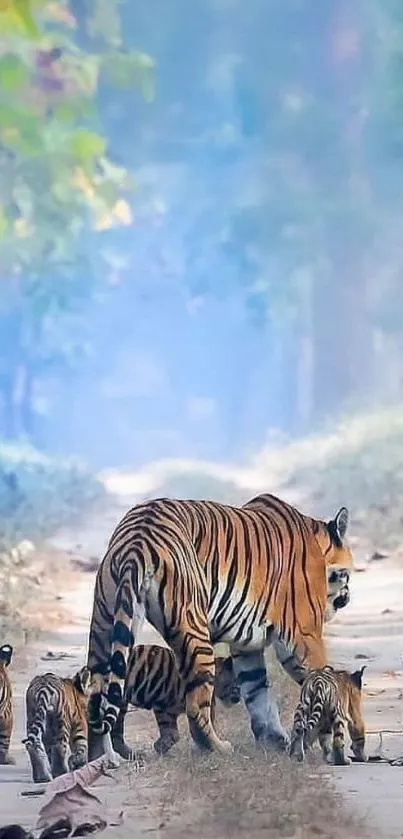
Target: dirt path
{"points": [[370, 631]]}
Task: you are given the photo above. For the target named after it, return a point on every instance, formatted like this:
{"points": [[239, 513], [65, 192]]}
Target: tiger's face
{"points": [[339, 562], [226, 685], [338, 591], [82, 685]]}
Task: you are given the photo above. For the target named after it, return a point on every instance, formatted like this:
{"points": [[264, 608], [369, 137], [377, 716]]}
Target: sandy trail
{"points": [[370, 631], [372, 628]]}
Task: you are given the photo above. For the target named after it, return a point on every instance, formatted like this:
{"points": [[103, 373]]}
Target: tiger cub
{"points": [[329, 700], [153, 682], [56, 710], [6, 705]]}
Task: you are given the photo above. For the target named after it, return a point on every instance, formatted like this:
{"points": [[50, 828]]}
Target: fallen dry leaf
{"points": [[70, 806], [76, 804], [84, 777], [374, 692], [51, 656]]}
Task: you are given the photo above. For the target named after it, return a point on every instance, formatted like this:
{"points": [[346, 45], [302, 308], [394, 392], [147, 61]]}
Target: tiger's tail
{"points": [[315, 714], [129, 614]]}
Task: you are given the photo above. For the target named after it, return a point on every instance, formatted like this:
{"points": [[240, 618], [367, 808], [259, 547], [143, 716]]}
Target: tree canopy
{"points": [[268, 168], [59, 186]]}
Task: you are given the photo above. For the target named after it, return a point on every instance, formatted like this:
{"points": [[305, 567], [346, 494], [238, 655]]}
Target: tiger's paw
{"points": [[121, 748], [164, 744], [76, 762], [296, 749], [224, 747], [340, 759], [360, 757]]}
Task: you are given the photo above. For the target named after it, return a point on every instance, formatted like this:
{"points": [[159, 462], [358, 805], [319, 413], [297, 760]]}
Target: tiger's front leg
{"points": [[194, 654], [169, 732], [356, 729], [339, 756], [59, 757], [251, 673]]}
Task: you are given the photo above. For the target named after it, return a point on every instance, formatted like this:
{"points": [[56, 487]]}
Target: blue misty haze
{"points": [[167, 381]]}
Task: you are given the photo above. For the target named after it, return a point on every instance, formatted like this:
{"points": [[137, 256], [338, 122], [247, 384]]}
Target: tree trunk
{"points": [[344, 350]]}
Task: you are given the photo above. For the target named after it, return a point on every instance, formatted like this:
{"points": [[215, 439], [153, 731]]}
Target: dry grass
{"points": [[250, 794]]}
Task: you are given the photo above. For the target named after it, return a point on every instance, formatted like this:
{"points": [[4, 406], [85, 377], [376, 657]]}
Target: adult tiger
{"points": [[202, 573]]}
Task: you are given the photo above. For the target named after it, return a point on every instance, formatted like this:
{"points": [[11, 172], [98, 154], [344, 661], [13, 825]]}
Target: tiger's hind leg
{"points": [[60, 746], [356, 728], [59, 759], [339, 756], [325, 742], [250, 669], [37, 746], [195, 659], [297, 744], [167, 722]]}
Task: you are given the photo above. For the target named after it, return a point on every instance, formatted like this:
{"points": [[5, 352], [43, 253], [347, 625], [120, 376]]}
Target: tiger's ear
{"points": [[82, 680], [6, 654], [356, 677], [337, 527]]}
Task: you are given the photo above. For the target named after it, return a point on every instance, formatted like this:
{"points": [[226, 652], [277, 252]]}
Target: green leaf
{"points": [[18, 18], [13, 72], [20, 129], [86, 145], [24, 11], [65, 112]]}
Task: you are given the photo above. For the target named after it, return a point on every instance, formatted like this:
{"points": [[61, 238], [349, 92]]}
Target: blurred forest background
{"points": [[201, 243]]}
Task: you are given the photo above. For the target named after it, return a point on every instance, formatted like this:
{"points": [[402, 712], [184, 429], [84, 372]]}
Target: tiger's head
{"points": [[6, 654], [337, 552], [226, 685], [356, 680], [339, 561], [82, 682]]}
